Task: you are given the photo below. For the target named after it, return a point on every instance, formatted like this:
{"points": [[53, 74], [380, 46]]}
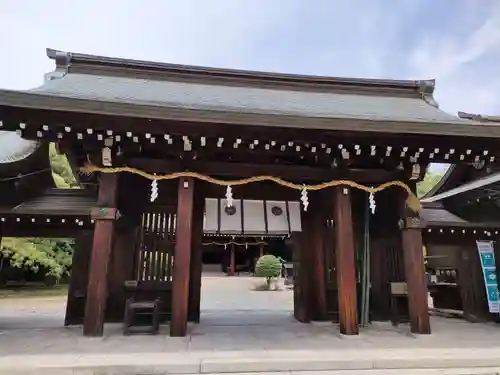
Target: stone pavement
{"points": [[240, 331], [468, 361]]}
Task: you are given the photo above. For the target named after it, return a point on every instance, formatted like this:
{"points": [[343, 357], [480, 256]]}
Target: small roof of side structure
{"points": [[13, 148], [121, 87], [437, 216], [480, 183], [458, 176], [25, 169]]}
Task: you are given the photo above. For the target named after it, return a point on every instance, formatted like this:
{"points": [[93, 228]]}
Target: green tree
{"points": [[53, 256], [61, 170], [269, 267], [430, 180]]}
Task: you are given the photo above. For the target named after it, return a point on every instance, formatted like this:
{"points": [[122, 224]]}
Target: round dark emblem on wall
{"points": [[230, 210], [276, 211]]}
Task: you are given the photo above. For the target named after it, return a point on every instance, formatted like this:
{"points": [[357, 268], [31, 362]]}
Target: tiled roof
{"points": [[215, 97], [436, 216], [58, 202], [441, 216]]}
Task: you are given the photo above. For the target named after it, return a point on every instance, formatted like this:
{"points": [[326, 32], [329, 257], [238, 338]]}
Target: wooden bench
{"points": [[133, 309]]}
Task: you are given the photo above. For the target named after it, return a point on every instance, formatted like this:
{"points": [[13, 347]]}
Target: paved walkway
{"points": [[240, 330]]}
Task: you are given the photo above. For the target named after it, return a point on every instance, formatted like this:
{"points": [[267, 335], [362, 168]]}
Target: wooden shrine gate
{"points": [[142, 264]]}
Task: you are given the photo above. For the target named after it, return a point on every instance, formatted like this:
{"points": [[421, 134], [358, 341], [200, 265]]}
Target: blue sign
{"points": [[487, 256]]}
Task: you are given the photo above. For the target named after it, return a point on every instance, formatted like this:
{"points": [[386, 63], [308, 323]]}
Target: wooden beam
{"points": [[182, 258], [97, 289], [233, 169], [346, 267]]}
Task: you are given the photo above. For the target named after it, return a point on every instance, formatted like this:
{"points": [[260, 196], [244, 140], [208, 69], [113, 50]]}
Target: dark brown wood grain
{"points": [[97, 289], [346, 266], [414, 266], [314, 226], [121, 269], [182, 258], [416, 281], [77, 289], [196, 256], [301, 288]]}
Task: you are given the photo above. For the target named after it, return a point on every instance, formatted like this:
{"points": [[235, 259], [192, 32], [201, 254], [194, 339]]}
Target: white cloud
{"points": [[439, 56], [466, 66], [371, 38]]}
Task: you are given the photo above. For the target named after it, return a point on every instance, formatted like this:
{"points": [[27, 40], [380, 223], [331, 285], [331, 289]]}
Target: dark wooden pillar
{"points": [[197, 255], [121, 268], [232, 262], [413, 254], [97, 289], [75, 303], [182, 257], [314, 227], [471, 282], [301, 287], [3, 276], [346, 266]]}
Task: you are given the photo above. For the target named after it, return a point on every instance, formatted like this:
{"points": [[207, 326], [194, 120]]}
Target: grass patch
{"points": [[33, 291]]}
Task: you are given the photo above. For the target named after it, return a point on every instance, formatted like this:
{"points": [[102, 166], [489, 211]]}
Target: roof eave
{"points": [[28, 100], [469, 186]]}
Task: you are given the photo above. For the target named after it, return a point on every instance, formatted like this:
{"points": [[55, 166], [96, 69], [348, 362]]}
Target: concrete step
{"points": [[363, 361]]}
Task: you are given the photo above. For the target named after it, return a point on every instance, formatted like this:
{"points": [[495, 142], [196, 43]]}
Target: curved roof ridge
{"points": [[102, 65], [14, 148]]}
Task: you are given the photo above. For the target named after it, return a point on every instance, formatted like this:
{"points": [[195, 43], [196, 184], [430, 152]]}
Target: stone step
{"points": [[375, 362]]}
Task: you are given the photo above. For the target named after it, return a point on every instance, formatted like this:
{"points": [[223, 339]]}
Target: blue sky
{"points": [[455, 41]]}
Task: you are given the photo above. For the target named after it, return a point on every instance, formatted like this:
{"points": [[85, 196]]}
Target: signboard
{"points": [[487, 256]]}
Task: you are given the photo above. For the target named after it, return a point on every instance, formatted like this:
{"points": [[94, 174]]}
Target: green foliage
{"points": [[50, 255], [268, 266], [61, 170], [430, 180]]}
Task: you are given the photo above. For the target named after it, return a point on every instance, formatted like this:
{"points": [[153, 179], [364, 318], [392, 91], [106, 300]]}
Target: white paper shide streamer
{"points": [[154, 191], [373, 205], [229, 196], [304, 198]]}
